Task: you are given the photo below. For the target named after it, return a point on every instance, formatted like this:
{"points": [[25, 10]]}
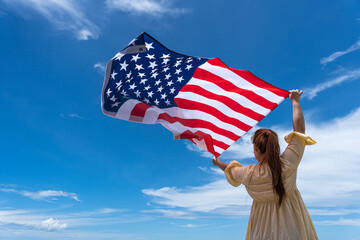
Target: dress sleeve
{"points": [[295, 149], [233, 173]]}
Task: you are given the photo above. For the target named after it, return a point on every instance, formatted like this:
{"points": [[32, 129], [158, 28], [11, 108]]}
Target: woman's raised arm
{"points": [[298, 117]]}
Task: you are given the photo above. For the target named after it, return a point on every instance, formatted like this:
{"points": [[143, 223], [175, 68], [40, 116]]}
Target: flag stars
{"points": [[118, 56], [141, 75], [154, 75], [129, 79], [113, 98], [160, 89], [172, 90], [139, 67], [166, 69], [188, 67], [147, 88], [180, 79], [165, 60], [113, 74], [128, 75], [115, 104], [152, 65], [167, 102], [118, 85], [148, 56], [149, 46], [143, 81], [132, 86], [167, 76], [123, 65], [123, 92], [169, 83], [108, 92], [137, 93], [165, 56], [135, 58], [147, 101], [178, 71], [178, 62], [156, 102], [157, 82], [163, 96], [150, 94]]}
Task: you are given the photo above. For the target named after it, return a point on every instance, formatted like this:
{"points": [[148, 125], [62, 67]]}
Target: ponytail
{"points": [[267, 142]]}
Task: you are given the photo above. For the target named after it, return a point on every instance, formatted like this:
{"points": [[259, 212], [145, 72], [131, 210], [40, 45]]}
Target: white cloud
{"points": [[341, 221], [172, 213], [150, 7], [100, 67], [62, 14], [43, 195], [346, 76], [328, 175], [52, 224], [335, 55]]}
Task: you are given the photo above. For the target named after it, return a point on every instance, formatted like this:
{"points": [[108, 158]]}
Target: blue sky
{"points": [[68, 171]]}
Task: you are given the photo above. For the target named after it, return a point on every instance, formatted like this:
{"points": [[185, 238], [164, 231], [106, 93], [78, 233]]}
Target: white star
{"points": [[180, 79], [135, 58], [167, 76], [177, 63], [141, 74], [154, 70], [124, 93], [165, 56], [172, 90], [188, 67], [137, 93], [128, 75], [118, 85], [150, 94], [150, 56], [147, 88], [129, 79], [189, 60], [113, 98], [199, 58], [167, 102], [132, 86], [169, 83], [113, 74], [157, 82], [154, 75], [165, 60], [166, 69], [124, 65], [156, 102], [163, 96], [178, 71], [115, 104], [143, 81], [160, 89], [146, 100], [139, 67], [148, 46], [118, 56], [108, 92], [152, 65]]}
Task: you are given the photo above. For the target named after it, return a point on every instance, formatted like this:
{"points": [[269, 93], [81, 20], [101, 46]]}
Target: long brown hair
{"points": [[267, 142]]}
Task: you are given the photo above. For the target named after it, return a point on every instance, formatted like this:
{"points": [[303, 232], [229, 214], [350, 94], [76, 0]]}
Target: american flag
{"points": [[195, 98]]}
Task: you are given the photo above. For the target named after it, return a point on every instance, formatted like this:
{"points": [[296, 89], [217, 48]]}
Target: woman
{"points": [[278, 211]]}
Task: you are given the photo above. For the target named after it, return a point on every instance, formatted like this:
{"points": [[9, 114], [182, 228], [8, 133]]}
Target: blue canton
{"points": [[147, 71]]}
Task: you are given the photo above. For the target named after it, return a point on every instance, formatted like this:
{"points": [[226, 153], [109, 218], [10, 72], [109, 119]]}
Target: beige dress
{"points": [[267, 220]]}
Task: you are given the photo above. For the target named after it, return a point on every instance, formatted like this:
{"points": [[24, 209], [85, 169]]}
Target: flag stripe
{"points": [[230, 86], [233, 105]]}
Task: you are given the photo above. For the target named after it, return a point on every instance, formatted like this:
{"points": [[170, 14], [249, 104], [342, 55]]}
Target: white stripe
{"points": [[218, 105], [243, 101], [238, 81], [125, 109]]}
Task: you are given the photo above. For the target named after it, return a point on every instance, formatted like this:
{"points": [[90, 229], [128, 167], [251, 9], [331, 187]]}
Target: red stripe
{"points": [[200, 136], [248, 76], [223, 99], [197, 123], [220, 144], [228, 86], [192, 105], [138, 112]]}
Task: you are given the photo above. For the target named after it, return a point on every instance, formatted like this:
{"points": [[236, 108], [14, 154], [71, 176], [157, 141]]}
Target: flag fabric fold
{"points": [[198, 99]]}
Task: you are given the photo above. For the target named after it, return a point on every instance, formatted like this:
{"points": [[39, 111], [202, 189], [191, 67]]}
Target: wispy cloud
{"points": [[43, 195], [149, 7], [335, 55], [328, 176], [62, 14], [346, 76], [100, 67], [172, 213], [52, 224], [341, 221]]}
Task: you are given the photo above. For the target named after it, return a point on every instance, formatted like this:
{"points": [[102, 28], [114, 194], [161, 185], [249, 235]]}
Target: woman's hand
{"points": [[295, 95], [216, 161]]}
